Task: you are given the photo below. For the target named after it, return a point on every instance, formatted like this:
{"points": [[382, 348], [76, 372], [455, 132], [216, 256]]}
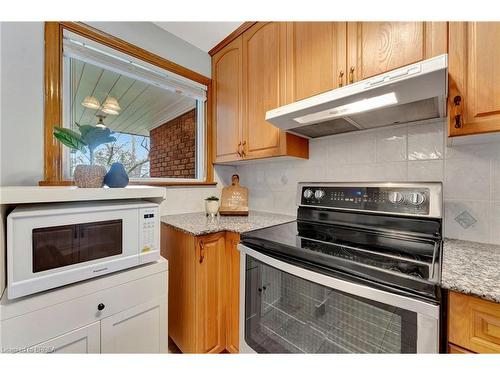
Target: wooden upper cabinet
{"points": [[316, 53], [264, 88], [227, 101], [210, 293], [249, 78], [377, 47], [474, 77]]}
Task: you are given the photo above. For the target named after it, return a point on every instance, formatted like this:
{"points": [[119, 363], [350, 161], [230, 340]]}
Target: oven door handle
{"points": [[423, 308]]}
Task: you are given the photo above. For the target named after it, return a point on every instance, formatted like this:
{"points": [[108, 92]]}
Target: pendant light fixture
{"points": [[111, 106], [91, 102]]}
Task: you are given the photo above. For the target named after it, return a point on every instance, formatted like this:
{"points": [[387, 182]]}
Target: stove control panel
{"points": [[404, 200]]}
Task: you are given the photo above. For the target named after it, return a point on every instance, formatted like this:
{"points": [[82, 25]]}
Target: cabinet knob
{"points": [[100, 306]]}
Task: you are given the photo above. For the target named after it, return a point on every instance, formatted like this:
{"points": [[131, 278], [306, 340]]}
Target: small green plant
{"points": [[90, 137], [212, 198]]}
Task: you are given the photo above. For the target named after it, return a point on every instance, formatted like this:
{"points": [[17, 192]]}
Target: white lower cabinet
{"points": [[80, 341], [136, 330], [124, 312]]}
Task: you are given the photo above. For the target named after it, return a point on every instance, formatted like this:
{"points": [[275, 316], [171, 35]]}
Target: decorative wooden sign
{"points": [[234, 199]]}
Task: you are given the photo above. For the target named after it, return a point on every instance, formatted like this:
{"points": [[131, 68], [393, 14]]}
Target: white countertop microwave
{"points": [[50, 245]]}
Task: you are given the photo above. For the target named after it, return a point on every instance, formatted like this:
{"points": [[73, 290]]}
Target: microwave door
{"points": [[99, 240], [54, 247]]}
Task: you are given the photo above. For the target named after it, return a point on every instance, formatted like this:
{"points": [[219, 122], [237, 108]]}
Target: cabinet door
{"points": [[453, 349], [140, 329], [82, 340], [473, 323], [316, 57], [474, 78], [210, 294], [233, 292], [264, 87], [378, 47], [227, 101]]}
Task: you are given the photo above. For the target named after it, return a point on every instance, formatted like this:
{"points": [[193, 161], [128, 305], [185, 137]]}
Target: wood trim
{"points": [[209, 151], [53, 174], [52, 100], [228, 39], [132, 50], [152, 183]]}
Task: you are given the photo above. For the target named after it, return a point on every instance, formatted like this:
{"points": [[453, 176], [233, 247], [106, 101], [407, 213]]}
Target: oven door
{"points": [[289, 309]]}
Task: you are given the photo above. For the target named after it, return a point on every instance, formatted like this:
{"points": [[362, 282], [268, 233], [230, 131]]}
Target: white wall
{"points": [[471, 174], [21, 100], [21, 107]]}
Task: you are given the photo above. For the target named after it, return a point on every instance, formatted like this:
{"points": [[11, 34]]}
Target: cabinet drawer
{"points": [[26, 330], [474, 323]]}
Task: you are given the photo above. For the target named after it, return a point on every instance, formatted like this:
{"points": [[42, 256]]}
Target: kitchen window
{"points": [[157, 116]]}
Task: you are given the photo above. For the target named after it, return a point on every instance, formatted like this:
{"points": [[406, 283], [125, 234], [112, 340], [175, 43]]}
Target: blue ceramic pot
{"points": [[116, 177]]}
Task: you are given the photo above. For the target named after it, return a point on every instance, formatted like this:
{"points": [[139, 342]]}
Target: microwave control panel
{"points": [[149, 221]]}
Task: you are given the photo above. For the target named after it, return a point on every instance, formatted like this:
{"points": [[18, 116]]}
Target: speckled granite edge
{"points": [[198, 224], [472, 268]]}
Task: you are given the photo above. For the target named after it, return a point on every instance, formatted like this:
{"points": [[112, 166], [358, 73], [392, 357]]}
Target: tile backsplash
{"points": [[410, 152]]}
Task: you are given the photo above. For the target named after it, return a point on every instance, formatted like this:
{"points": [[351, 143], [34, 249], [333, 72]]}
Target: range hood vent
{"points": [[412, 93]]}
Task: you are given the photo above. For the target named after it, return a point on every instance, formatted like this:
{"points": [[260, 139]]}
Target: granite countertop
{"points": [[199, 224], [472, 268]]}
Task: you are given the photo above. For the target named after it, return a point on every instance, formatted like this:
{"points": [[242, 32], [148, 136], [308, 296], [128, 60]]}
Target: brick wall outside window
{"points": [[173, 148]]}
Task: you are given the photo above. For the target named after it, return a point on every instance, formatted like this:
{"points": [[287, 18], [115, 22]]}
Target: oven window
{"points": [[60, 246], [287, 314]]}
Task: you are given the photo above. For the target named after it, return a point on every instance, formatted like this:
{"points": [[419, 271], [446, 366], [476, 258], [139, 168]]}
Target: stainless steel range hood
{"points": [[412, 93]]}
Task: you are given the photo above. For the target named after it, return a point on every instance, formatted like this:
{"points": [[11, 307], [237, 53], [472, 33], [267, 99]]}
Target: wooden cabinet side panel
{"points": [[232, 292], [227, 104], [473, 323], [178, 248], [210, 293]]}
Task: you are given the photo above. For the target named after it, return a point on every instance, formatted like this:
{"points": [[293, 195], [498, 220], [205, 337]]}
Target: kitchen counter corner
{"points": [[198, 224], [472, 268]]}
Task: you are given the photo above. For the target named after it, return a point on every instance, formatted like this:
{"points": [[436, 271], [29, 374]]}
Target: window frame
{"points": [[53, 104]]}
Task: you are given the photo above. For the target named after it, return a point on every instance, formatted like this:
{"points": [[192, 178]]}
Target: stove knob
{"points": [[308, 193], [416, 198], [318, 194], [395, 197]]}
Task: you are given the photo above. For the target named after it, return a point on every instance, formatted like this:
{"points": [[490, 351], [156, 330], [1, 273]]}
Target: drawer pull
{"points": [[351, 74], [100, 306], [202, 252], [341, 78], [239, 150], [457, 101]]}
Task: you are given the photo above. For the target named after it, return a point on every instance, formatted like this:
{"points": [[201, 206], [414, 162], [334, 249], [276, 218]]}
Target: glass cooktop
{"points": [[390, 257]]}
